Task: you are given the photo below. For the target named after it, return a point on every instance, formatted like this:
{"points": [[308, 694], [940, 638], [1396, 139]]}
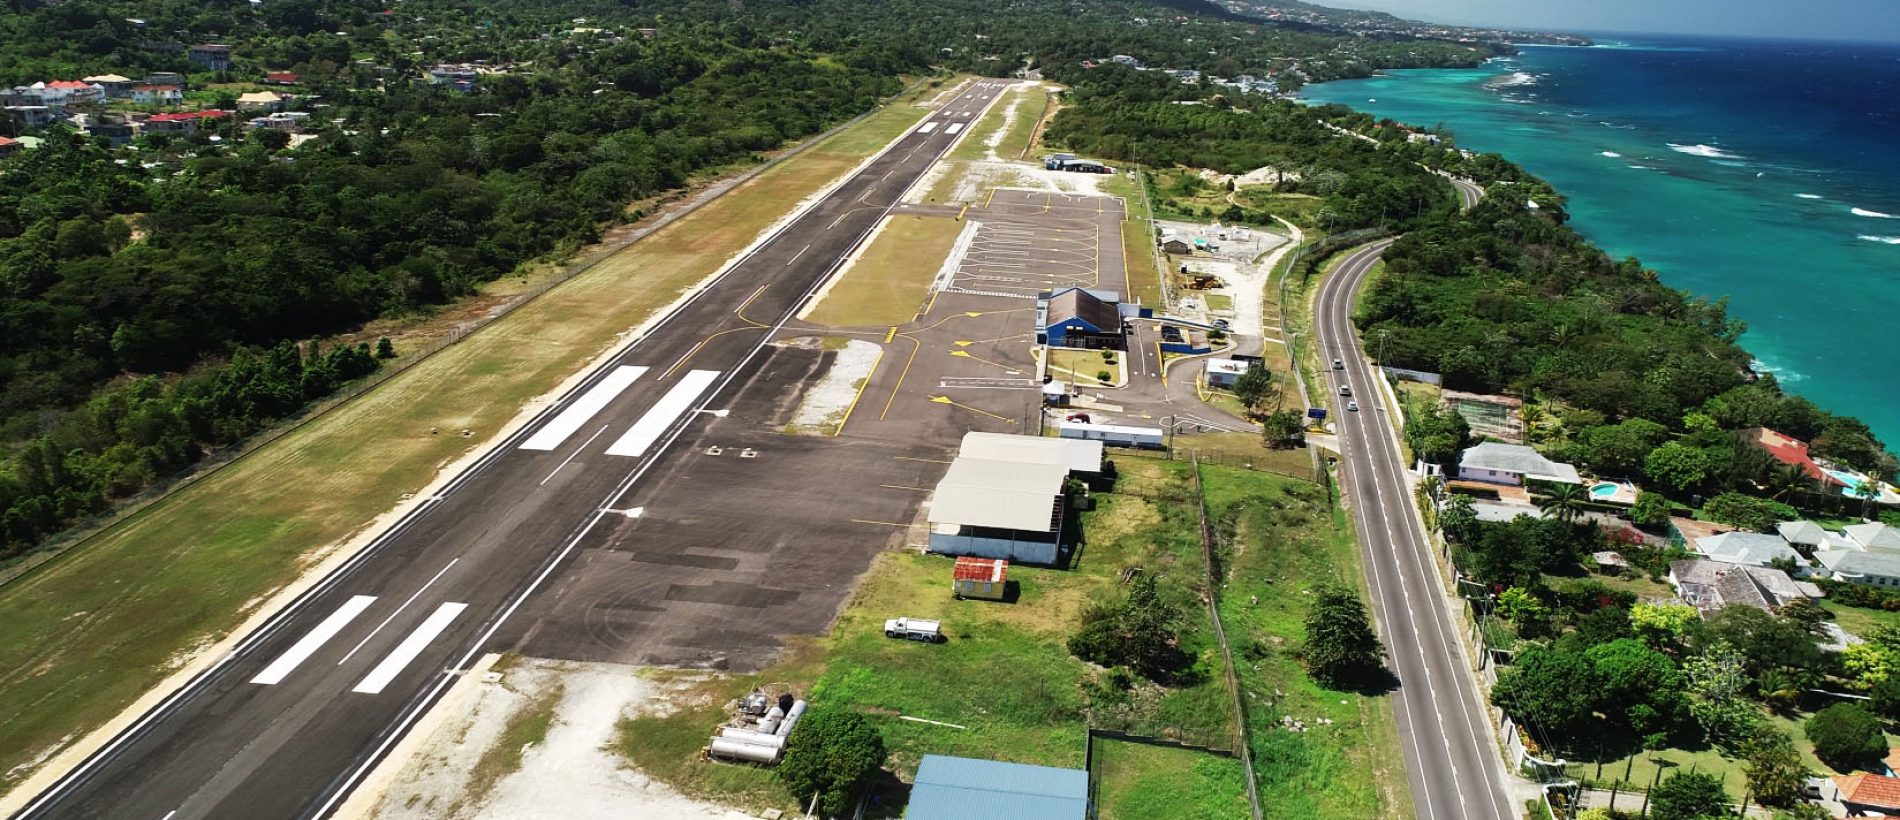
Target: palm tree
{"points": [[1868, 491], [1563, 502], [1788, 481]]}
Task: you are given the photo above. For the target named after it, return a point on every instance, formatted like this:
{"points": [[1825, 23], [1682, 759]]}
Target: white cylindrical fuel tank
{"points": [[749, 736], [785, 728], [738, 750]]}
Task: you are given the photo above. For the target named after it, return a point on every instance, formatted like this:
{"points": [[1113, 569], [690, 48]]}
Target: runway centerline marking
{"points": [[597, 397], [312, 641], [671, 406], [801, 252], [409, 649], [392, 616], [577, 451]]}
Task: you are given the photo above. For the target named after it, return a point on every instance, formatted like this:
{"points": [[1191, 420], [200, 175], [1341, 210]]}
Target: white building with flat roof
{"points": [[1222, 373]]}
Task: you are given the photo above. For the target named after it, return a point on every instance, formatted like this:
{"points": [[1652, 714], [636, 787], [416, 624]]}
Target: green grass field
{"points": [[1005, 676], [90, 631], [1287, 539], [1136, 781], [888, 283], [1016, 143]]}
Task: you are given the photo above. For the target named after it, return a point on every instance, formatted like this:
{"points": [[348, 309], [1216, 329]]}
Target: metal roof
{"points": [[1076, 454], [1875, 536], [972, 568], [1517, 458], [1013, 495], [961, 788], [1802, 532], [1745, 548], [1076, 303]]}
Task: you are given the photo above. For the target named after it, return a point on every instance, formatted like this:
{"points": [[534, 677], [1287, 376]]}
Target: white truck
{"points": [[914, 629]]}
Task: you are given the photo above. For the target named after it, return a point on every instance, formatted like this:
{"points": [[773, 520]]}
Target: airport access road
{"points": [[295, 717], [1451, 752]]}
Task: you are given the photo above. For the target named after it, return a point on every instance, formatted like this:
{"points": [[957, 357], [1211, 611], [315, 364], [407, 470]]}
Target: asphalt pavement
{"points": [[294, 718], [1450, 749]]}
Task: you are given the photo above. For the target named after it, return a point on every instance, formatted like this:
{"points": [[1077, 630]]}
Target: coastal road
{"points": [[293, 719], [1468, 192], [1451, 752]]}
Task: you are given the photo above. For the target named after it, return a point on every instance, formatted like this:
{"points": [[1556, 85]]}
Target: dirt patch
{"points": [[831, 397], [573, 773]]}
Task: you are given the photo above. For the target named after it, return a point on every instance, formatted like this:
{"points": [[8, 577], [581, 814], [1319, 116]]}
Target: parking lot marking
{"points": [[409, 649], [310, 643], [660, 417], [554, 432]]}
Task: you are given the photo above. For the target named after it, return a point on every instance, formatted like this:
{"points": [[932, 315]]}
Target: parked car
{"points": [[1352, 406], [914, 629], [1081, 417]]}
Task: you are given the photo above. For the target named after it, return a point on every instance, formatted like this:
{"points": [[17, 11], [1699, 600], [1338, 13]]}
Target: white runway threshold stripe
{"points": [[410, 647], [928, 127], [669, 408], [303, 649], [954, 127], [554, 432]]}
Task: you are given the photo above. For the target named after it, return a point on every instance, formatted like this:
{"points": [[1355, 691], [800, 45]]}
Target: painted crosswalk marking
{"points": [[303, 649], [554, 432], [928, 127], [954, 127], [412, 646], [661, 416]]}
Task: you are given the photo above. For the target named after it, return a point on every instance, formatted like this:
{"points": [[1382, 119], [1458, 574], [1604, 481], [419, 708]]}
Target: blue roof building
{"points": [[962, 788]]}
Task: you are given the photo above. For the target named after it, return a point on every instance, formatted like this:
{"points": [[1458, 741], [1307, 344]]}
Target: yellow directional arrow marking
{"points": [[946, 400]]}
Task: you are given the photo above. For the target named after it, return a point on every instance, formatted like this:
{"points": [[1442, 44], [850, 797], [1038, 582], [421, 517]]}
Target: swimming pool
{"points": [[1604, 490], [1852, 481]]}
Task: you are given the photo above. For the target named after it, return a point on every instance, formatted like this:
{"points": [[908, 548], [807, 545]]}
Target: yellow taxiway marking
{"points": [[740, 311], [987, 199], [860, 394], [946, 400], [961, 343], [702, 343], [966, 209], [890, 334], [914, 347], [1163, 359]]}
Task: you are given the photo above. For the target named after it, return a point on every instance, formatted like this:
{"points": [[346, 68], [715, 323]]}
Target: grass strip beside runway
{"points": [[91, 631]]}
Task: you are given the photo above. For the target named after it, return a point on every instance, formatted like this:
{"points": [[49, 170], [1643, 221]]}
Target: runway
{"points": [[300, 712]]}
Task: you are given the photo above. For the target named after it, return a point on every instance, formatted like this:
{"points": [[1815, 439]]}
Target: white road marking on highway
{"points": [[954, 127], [801, 252], [670, 406], [928, 127], [554, 432], [410, 647], [392, 616], [577, 452], [303, 649], [169, 815]]}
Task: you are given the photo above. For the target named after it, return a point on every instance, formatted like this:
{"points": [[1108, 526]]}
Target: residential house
{"points": [[9, 146], [1075, 317], [1873, 536], [32, 116], [1807, 536], [114, 86], [280, 78], [1863, 794], [1711, 585], [115, 128], [210, 56], [459, 77], [73, 92], [281, 121], [1789, 450], [184, 122], [172, 78], [161, 95], [260, 101], [1747, 548], [1512, 464]]}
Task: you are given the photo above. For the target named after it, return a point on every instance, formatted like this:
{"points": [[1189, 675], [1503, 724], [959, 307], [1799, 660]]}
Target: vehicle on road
{"points": [[914, 629], [1352, 406], [1339, 364], [1345, 390]]}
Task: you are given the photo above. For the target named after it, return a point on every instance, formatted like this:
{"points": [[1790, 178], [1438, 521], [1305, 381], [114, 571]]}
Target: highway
{"points": [[293, 719], [1468, 192], [1451, 752]]}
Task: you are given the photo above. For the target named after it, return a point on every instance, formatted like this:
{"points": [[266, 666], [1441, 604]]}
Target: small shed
{"points": [[958, 788], [1177, 247], [1222, 373], [984, 578]]}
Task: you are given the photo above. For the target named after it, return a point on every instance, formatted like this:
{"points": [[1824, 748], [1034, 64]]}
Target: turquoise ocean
{"points": [[1767, 172]]}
